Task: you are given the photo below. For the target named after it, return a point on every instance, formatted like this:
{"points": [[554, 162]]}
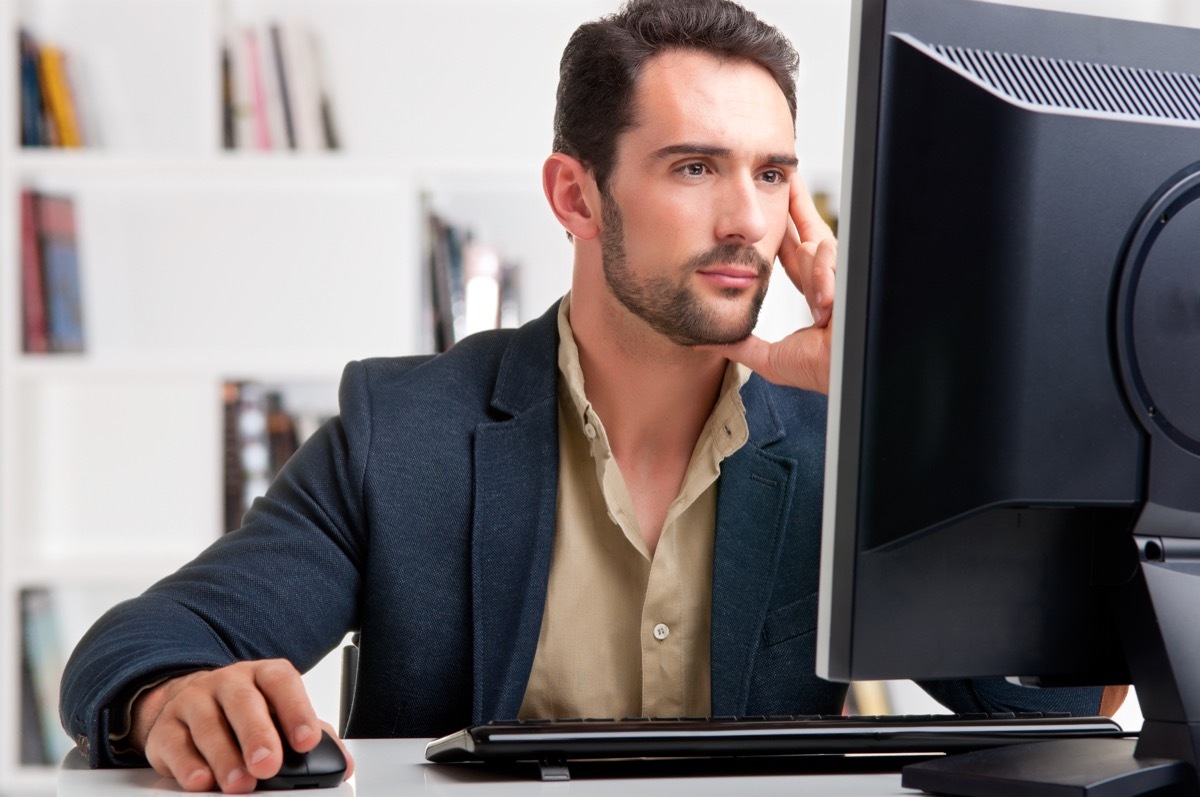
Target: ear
{"points": [[572, 194]]}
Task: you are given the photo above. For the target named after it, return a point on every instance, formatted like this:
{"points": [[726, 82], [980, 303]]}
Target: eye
{"points": [[693, 170], [774, 176]]}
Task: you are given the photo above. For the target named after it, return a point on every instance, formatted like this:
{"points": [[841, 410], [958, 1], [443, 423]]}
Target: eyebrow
{"points": [[710, 151]]}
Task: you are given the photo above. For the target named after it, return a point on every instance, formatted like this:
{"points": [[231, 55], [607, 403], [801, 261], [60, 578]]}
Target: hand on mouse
{"points": [[213, 729]]}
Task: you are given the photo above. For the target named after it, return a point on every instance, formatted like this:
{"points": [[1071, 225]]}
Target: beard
{"points": [[666, 302]]}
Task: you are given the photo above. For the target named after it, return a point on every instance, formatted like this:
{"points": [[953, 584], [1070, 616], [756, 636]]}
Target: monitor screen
{"points": [[1013, 476]]}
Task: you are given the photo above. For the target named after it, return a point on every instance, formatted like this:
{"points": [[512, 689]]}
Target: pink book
{"points": [[258, 95]]}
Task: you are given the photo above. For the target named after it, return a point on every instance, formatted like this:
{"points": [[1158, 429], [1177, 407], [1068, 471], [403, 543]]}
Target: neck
{"points": [[653, 395]]}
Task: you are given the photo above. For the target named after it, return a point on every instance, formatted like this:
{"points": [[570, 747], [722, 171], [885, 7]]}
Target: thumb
{"points": [[752, 352]]}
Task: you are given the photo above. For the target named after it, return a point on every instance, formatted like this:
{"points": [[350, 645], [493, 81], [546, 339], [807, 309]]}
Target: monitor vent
{"points": [[1082, 86]]}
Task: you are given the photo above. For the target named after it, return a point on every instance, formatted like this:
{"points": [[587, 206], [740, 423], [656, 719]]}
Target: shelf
{"points": [[90, 164], [96, 572], [314, 366]]}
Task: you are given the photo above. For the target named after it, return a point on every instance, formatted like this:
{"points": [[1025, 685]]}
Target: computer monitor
{"points": [[1013, 471]]}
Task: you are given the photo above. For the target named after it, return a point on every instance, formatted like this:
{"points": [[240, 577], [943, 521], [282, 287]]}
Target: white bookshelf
{"points": [[200, 265]]}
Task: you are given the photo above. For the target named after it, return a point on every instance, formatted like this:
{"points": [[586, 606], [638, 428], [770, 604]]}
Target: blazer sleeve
{"points": [[996, 694], [285, 585]]}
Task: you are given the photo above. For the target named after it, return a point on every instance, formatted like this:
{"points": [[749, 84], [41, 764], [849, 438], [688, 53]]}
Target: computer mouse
{"points": [[322, 767]]}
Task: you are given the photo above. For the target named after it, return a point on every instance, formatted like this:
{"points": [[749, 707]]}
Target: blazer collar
{"points": [[513, 519], [753, 506], [529, 367]]}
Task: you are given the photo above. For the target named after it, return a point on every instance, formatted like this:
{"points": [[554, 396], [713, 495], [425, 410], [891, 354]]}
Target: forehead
{"points": [[687, 95]]}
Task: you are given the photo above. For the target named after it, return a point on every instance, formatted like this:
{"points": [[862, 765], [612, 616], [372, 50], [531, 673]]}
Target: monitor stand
{"points": [[1156, 615]]}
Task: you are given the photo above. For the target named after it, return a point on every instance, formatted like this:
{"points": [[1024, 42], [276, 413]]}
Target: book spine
{"points": [[235, 506], [58, 96], [258, 94], [303, 89], [60, 264], [33, 133], [228, 127], [33, 292], [319, 75], [281, 82], [43, 650]]}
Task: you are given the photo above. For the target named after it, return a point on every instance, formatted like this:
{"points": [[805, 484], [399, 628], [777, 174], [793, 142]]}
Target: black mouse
{"points": [[322, 767]]}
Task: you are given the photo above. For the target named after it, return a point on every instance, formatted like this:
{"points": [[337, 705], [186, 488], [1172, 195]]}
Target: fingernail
{"points": [[235, 776], [197, 776], [259, 754], [303, 732]]}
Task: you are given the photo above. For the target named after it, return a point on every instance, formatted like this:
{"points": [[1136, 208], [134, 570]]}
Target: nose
{"points": [[740, 216]]}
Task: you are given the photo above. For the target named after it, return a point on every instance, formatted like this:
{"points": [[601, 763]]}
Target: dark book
{"points": [[441, 302], [33, 113], [281, 72], [234, 479], [228, 124], [34, 332], [60, 272]]}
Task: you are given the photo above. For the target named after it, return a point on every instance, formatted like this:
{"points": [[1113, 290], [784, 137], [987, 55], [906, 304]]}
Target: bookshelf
{"points": [[201, 265]]}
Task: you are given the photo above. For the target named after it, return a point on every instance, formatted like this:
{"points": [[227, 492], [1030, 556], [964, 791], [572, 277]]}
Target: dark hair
{"points": [[603, 60]]}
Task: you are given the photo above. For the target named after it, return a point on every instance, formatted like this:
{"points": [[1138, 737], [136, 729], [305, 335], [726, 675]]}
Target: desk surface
{"points": [[398, 767]]}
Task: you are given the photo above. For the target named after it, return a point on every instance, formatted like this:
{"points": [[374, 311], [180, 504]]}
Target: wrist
{"points": [[148, 706]]}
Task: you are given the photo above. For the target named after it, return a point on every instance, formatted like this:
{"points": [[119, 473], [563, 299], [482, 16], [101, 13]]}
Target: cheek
{"points": [[777, 215]]}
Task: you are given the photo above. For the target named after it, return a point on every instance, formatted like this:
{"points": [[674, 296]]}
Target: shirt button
{"points": [[661, 632], [590, 431]]}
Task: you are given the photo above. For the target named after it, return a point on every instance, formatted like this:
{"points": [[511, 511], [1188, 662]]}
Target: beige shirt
{"points": [[626, 633]]}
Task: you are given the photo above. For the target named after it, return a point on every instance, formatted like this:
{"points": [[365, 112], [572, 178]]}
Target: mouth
{"points": [[729, 276]]}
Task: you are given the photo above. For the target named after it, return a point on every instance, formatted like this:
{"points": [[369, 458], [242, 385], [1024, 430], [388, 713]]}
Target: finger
{"points": [[805, 235], [808, 220], [823, 280], [172, 754], [752, 352], [800, 360], [283, 687], [249, 719], [215, 742]]}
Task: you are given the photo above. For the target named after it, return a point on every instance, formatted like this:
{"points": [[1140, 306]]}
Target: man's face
{"points": [[697, 203]]}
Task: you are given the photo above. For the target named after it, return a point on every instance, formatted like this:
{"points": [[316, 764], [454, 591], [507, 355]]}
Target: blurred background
{"points": [[207, 207]]}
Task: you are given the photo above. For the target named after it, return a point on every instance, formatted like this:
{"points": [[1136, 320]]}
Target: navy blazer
{"points": [[423, 517]]}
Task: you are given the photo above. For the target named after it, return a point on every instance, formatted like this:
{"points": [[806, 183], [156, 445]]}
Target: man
{"points": [[602, 513]]}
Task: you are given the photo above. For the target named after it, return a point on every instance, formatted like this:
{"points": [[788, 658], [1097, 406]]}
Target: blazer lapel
{"points": [[516, 489], [753, 501]]}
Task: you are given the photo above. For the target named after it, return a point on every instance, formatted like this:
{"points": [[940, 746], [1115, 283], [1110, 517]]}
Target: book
{"points": [[57, 96], [241, 91], [232, 478], [60, 272], [261, 433], [32, 748], [280, 63], [35, 334], [471, 287], [304, 87], [274, 93], [42, 651], [252, 62], [33, 129], [228, 110]]}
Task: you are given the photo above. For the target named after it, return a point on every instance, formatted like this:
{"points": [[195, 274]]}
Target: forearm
{"points": [[996, 694]]}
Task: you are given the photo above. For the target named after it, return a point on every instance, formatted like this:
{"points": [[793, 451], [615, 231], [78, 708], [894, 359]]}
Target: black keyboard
{"points": [[553, 743]]}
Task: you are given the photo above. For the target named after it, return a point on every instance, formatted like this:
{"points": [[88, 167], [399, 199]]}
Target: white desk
{"points": [[397, 767]]}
